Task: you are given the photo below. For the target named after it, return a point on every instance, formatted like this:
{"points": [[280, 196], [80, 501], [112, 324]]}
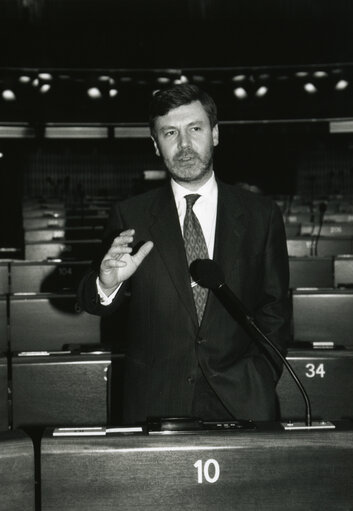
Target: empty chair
{"points": [[77, 250], [50, 322], [323, 315], [311, 272], [337, 229], [302, 246], [327, 378], [343, 271], [46, 276], [61, 389]]}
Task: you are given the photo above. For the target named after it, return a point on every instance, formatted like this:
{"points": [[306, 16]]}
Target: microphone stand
{"points": [[240, 312]]}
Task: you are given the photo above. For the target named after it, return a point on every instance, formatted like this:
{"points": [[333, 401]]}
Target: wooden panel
{"points": [[4, 415], [323, 315], [327, 376], [3, 324], [311, 272], [49, 322], [61, 390], [45, 277], [270, 471]]}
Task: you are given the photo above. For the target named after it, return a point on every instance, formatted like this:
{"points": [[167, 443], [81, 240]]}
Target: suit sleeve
{"points": [[87, 290], [273, 312]]}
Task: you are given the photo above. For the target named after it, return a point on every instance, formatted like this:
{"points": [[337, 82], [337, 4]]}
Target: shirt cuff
{"points": [[104, 299]]}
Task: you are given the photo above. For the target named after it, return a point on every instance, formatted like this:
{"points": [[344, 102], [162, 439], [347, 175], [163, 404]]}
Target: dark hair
{"points": [[167, 99]]}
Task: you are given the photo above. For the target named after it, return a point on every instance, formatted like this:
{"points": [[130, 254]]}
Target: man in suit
{"points": [[186, 354]]}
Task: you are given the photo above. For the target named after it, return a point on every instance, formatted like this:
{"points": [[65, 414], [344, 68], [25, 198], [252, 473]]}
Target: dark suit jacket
{"points": [[165, 342]]}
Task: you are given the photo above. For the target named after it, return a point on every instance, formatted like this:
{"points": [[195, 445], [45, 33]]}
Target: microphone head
{"points": [[207, 273]]}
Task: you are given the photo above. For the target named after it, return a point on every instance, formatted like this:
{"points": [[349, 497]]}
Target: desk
{"points": [[267, 469], [16, 472]]}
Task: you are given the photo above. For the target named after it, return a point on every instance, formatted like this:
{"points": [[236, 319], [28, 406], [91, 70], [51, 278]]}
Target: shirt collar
{"points": [[208, 190]]}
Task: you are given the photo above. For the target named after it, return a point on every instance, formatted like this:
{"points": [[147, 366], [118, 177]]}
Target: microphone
{"points": [[208, 274]]}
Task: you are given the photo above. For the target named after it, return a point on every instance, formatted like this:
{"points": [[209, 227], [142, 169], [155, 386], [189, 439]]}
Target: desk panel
{"points": [[269, 471], [16, 472], [49, 322], [328, 379]]}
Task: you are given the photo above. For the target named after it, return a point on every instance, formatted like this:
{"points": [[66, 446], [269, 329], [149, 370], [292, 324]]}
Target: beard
{"points": [[187, 165]]}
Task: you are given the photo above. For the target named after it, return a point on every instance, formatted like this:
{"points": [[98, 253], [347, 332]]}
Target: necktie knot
{"points": [[191, 199]]}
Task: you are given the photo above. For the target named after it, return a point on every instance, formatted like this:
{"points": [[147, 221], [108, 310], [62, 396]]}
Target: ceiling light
{"points": [[240, 93], [8, 95], [24, 79], [238, 78], [44, 88], [261, 91], [341, 85], [310, 88], [94, 93], [320, 74], [45, 76]]}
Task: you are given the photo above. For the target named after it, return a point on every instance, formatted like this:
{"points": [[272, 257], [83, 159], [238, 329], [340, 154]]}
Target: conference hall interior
{"points": [[76, 80]]}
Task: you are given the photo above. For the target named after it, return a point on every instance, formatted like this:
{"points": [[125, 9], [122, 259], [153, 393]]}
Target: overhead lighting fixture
{"points": [[8, 95], [45, 76], [239, 78], [94, 93], [261, 91], [43, 89], [310, 88], [320, 74], [341, 85], [24, 79], [113, 93], [240, 93], [163, 79]]}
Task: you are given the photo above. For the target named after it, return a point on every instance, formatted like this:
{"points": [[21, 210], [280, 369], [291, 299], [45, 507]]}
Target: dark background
{"points": [[281, 143], [174, 33]]}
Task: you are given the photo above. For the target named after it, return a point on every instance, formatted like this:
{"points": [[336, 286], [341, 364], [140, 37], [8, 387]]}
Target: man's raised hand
{"points": [[119, 264]]}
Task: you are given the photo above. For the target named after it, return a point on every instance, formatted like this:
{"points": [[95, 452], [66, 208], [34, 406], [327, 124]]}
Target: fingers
{"points": [[143, 251], [124, 238]]}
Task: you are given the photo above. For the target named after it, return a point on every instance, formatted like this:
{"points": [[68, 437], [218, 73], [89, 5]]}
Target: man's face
{"points": [[185, 140]]}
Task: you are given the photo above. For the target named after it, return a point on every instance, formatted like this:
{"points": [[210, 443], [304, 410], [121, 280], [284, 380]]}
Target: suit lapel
{"points": [[230, 229], [167, 236]]}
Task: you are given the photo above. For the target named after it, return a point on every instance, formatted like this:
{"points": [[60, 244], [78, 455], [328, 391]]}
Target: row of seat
{"points": [[86, 388], [56, 276], [132, 470], [318, 315]]}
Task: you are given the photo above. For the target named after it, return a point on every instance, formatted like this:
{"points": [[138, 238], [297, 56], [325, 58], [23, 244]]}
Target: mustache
{"points": [[185, 153]]}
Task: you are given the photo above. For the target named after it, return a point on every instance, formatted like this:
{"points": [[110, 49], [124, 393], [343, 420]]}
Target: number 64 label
{"points": [[209, 471]]}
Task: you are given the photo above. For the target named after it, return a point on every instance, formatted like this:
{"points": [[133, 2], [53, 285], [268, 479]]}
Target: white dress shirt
{"points": [[205, 208]]}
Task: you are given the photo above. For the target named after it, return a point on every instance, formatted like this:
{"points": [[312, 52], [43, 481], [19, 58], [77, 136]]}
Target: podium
{"points": [[266, 469]]}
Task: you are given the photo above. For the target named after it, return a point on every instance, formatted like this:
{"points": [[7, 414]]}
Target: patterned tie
{"points": [[196, 248]]}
